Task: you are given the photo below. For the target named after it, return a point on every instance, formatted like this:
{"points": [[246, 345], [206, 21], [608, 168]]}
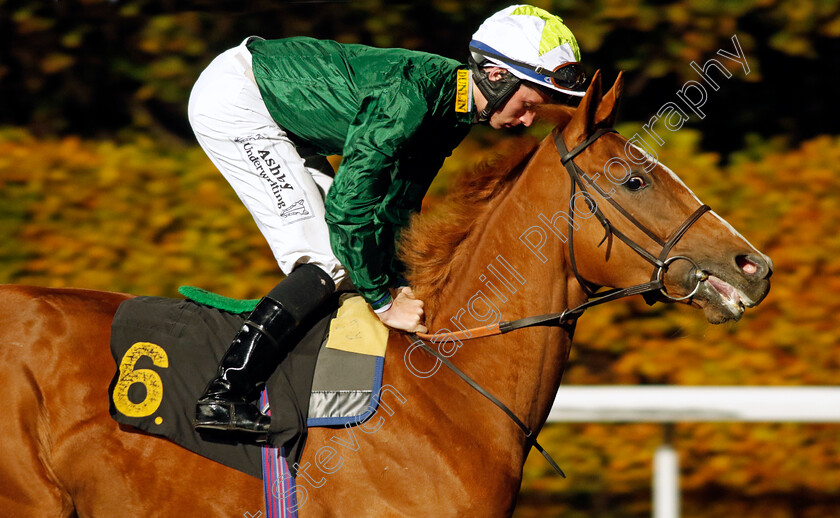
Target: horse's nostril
{"points": [[751, 265], [746, 265]]}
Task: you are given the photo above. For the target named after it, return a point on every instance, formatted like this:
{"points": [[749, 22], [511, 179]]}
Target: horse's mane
{"points": [[431, 243]]}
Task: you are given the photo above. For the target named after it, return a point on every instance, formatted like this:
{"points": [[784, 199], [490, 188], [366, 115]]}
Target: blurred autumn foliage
{"points": [[140, 217], [102, 187]]}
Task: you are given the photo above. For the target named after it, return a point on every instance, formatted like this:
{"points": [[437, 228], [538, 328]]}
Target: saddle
{"points": [[166, 350]]}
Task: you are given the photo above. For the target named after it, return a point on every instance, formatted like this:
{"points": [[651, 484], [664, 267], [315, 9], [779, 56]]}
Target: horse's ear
{"points": [[583, 122], [607, 110]]}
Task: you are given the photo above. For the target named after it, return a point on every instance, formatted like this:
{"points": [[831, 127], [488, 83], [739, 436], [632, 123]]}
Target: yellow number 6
{"points": [[147, 377]]}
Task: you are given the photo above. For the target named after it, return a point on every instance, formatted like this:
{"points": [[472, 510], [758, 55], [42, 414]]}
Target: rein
{"points": [[529, 434], [650, 290]]}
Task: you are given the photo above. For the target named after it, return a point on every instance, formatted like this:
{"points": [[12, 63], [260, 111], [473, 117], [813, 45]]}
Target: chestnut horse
{"points": [[437, 447]]}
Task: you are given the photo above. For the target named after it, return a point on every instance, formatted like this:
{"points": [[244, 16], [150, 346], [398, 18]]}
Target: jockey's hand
{"points": [[405, 313]]}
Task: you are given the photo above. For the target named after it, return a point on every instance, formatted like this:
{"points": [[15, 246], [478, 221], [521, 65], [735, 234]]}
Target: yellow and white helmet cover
{"points": [[531, 43]]}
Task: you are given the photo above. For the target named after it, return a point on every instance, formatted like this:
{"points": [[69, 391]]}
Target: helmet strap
{"points": [[495, 92]]}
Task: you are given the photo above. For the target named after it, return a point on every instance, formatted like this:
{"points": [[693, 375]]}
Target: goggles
{"points": [[568, 76]]}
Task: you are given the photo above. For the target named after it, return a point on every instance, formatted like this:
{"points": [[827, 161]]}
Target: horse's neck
{"points": [[502, 270]]}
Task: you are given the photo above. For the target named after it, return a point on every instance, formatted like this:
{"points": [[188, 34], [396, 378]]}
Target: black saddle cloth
{"points": [[168, 349]]}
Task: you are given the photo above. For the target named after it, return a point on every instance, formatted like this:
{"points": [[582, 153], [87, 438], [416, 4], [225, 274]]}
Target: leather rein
{"points": [[650, 290]]}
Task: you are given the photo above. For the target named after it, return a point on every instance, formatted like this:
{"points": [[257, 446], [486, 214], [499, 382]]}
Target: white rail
{"points": [[673, 404]]}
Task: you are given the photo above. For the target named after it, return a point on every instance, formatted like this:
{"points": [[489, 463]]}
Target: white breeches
{"points": [[283, 186]]}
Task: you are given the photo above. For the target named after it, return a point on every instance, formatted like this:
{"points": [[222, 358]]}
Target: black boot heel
{"points": [[229, 416]]}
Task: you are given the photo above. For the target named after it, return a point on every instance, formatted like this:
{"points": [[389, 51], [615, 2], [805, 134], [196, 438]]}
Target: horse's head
{"points": [[637, 222]]}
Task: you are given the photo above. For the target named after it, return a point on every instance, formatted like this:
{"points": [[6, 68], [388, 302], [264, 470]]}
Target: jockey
{"points": [[268, 112]]}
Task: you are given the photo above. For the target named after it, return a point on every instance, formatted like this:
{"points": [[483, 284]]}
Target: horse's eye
{"points": [[635, 183]]}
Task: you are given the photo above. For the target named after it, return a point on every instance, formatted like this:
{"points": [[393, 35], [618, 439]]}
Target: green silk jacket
{"points": [[390, 113]]}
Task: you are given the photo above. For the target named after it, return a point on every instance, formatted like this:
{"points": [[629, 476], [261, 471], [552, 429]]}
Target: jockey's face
{"points": [[519, 108]]}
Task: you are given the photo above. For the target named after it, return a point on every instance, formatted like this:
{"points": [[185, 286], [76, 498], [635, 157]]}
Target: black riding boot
{"points": [[257, 349]]}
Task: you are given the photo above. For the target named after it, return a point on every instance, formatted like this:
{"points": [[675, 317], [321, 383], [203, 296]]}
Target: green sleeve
{"points": [[417, 170], [366, 183]]}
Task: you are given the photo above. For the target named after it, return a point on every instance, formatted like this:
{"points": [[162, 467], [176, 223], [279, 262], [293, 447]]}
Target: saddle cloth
{"points": [[167, 350]]}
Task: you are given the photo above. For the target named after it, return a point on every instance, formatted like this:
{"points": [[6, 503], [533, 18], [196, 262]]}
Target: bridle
{"points": [[651, 290], [660, 262]]}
